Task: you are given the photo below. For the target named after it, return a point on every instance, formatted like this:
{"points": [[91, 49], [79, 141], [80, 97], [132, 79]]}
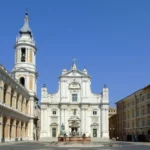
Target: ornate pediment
{"points": [[74, 118], [75, 73], [74, 124]]}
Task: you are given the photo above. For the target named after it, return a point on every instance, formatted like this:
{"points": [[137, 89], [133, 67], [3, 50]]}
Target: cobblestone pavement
{"points": [[77, 146]]}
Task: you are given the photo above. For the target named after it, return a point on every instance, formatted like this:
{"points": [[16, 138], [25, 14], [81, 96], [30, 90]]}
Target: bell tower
{"points": [[25, 58]]}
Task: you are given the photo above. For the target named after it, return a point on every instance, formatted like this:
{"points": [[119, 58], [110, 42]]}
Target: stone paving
{"points": [[74, 146]]}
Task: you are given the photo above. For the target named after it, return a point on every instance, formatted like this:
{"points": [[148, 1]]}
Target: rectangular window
{"points": [[23, 54], [138, 123], [143, 112], [132, 113], [74, 97], [143, 98], [94, 112], [133, 124], [132, 102], [148, 96], [148, 122], [137, 112], [148, 109], [143, 122], [54, 112]]}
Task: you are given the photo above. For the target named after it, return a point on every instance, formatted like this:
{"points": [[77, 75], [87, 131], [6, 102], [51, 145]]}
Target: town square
{"points": [[74, 75]]}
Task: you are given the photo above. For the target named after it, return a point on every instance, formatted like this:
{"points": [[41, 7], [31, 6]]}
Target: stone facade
{"points": [[74, 109], [133, 114]]}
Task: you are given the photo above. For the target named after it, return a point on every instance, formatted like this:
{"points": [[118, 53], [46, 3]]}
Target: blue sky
{"points": [[111, 38]]}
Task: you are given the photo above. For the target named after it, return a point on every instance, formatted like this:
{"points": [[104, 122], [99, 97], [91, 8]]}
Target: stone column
{"points": [[20, 102], [30, 129], [31, 105], [26, 131], [42, 120], [82, 129], [1, 126], [85, 120], [24, 106], [13, 130], [24, 125], [104, 114], [62, 116], [8, 95], [19, 130], [1, 91], [8, 128], [66, 120], [100, 123], [14, 99]]}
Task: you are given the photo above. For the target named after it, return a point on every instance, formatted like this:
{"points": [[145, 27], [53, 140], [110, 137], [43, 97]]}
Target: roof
{"points": [[26, 29], [147, 86]]}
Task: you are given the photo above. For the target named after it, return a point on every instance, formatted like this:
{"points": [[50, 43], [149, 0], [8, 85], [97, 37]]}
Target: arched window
{"points": [[23, 54], [22, 81], [5, 92]]}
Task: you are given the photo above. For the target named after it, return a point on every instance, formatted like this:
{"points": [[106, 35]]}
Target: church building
{"points": [[74, 110]]}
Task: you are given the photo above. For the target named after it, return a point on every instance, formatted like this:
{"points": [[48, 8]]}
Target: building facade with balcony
{"points": [[133, 114], [74, 110], [18, 99]]}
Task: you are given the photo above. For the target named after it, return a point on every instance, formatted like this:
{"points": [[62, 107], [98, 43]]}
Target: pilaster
{"points": [[1, 91], [8, 95], [1, 127]]}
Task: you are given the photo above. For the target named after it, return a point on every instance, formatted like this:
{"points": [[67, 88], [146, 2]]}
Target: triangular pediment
{"points": [[75, 73]]}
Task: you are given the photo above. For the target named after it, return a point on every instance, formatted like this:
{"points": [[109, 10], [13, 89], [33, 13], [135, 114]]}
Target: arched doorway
{"points": [[5, 128], [5, 92]]}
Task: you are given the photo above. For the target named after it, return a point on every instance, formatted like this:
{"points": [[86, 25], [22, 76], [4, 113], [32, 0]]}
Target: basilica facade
{"points": [[74, 110]]}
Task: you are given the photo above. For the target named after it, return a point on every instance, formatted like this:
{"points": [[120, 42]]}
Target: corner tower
{"points": [[25, 58]]}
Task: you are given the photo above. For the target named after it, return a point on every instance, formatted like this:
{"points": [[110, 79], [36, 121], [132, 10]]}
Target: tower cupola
{"points": [[26, 29]]}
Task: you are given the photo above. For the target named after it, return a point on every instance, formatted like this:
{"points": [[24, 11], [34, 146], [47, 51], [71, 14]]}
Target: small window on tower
{"points": [[22, 81], [23, 54]]}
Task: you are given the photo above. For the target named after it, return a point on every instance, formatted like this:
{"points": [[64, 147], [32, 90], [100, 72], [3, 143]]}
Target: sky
{"points": [[111, 38]]}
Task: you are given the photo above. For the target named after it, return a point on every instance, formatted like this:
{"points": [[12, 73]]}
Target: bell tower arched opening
{"points": [[22, 81]]}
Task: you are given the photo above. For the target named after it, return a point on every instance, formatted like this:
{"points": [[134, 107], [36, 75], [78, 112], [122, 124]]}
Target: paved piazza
{"points": [[66, 146]]}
